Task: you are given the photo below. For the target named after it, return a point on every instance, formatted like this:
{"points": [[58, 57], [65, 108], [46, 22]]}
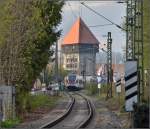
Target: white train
{"points": [[74, 82]]}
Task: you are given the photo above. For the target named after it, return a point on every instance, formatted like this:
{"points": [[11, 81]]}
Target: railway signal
{"points": [[118, 85], [131, 85], [109, 66]]}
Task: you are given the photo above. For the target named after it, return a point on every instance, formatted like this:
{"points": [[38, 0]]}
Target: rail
{"points": [[85, 123], [56, 121]]}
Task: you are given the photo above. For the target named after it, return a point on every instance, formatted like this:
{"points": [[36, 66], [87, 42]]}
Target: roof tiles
{"points": [[79, 34]]}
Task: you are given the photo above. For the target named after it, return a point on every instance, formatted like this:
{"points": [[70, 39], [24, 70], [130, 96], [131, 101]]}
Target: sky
{"points": [[112, 10]]}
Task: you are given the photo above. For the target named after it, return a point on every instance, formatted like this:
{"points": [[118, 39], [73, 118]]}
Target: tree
{"points": [[30, 28]]}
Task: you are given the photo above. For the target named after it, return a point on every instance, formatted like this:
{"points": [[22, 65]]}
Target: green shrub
{"points": [[122, 108], [104, 88], [10, 123], [92, 88]]}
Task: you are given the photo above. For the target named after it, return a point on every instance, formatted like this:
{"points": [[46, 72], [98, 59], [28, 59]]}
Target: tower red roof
{"points": [[79, 34]]}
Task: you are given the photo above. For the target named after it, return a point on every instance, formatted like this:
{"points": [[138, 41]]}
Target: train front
{"points": [[72, 82]]}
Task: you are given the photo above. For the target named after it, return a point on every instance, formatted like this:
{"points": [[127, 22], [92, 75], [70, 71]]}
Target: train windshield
{"points": [[72, 78]]}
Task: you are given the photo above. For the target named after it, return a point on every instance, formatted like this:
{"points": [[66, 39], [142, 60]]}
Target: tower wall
{"points": [[80, 58], [87, 63]]}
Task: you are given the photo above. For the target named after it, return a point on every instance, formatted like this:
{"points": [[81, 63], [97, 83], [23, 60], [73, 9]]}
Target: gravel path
{"points": [[105, 118], [108, 118]]}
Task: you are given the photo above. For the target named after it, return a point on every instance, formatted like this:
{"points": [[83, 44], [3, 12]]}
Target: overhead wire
{"points": [[118, 26], [100, 25], [112, 23], [72, 10]]}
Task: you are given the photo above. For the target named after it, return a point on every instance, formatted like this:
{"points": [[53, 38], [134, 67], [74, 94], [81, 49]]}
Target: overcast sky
{"points": [[114, 11]]}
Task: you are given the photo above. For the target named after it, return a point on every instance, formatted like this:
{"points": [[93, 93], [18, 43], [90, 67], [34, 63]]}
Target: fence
{"points": [[7, 102]]}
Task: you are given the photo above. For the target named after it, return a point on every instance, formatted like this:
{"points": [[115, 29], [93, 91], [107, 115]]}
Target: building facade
{"points": [[79, 48]]}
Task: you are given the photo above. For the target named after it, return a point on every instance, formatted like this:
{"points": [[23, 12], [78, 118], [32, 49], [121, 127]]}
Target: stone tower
{"points": [[79, 49]]}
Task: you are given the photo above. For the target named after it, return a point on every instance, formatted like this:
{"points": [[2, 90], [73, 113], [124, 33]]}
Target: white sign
{"points": [[131, 91], [43, 89], [56, 88], [118, 89], [99, 79], [99, 85], [43, 84], [118, 85]]}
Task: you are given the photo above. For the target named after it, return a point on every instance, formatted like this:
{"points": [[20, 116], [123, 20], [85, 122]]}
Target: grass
{"points": [[10, 123], [115, 103], [34, 102], [37, 101], [91, 88]]}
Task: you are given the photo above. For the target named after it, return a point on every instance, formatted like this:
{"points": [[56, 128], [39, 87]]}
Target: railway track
{"points": [[78, 115], [90, 113]]}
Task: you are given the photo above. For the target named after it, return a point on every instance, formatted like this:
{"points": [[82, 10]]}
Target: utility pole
{"points": [[60, 67], [134, 42], [130, 30], [109, 66], [83, 75], [43, 75], [56, 62], [60, 72], [94, 63], [84, 71], [138, 41]]}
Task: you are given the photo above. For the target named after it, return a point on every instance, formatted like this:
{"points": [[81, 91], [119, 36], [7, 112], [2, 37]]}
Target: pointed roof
{"points": [[79, 34]]}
